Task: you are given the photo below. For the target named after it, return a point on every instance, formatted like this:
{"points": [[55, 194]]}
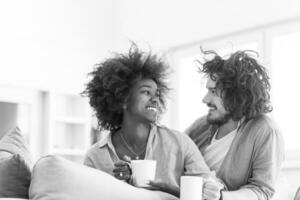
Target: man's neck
{"points": [[226, 128]]}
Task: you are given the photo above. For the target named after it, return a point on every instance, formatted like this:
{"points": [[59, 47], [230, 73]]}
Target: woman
{"points": [[128, 93]]}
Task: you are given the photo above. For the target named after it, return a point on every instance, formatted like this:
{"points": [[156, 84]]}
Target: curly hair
{"points": [[243, 82], [112, 80]]}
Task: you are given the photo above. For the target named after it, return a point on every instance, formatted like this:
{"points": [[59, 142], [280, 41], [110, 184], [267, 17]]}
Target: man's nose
{"points": [[205, 99]]}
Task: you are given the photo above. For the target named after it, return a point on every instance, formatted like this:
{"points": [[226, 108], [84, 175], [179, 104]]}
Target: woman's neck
{"points": [[135, 133]]}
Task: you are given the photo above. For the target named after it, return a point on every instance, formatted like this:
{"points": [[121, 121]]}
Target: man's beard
{"points": [[218, 121]]}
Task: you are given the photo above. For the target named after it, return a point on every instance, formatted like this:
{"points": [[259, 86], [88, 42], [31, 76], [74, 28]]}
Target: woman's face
{"points": [[143, 102]]}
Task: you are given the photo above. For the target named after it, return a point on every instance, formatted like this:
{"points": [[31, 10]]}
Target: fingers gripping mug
{"points": [[143, 171]]}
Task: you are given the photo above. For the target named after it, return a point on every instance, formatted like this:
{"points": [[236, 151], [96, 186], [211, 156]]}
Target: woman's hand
{"points": [[211, 189], [162, 186], [122, 170]]}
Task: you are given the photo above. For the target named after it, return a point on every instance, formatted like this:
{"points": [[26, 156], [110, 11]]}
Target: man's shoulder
{"points": [[262, 126], [198, 127], [262, 122]]}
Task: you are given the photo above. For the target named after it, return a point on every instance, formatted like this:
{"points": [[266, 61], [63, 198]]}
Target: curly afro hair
{"points": [[112, 80], [243, 82]]}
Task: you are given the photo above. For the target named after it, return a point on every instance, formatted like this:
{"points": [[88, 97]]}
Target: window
{"points": [[284, 56]]}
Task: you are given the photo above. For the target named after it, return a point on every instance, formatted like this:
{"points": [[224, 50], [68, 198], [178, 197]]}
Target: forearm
{"points": [[242, 194], [161, 186], [173, 190]]}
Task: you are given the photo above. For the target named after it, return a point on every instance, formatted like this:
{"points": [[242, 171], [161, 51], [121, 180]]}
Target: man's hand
{"points": [[162, 186], [211, 189], [122, 170]]}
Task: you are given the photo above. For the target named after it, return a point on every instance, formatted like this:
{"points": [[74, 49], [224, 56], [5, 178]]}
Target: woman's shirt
{"points": [[175, 153]]}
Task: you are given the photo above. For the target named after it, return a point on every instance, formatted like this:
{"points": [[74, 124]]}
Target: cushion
{"points": [[56, 178], [15, 165], [14, 142]]}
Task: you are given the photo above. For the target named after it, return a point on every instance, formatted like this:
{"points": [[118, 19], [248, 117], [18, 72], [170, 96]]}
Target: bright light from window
{"points": [[285, 82], [191, 91]]}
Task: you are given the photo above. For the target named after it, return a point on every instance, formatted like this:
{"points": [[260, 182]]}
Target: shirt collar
{"points": [[107, 140]]}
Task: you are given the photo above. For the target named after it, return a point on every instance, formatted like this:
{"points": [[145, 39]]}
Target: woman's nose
{"points": [[154, 98]]}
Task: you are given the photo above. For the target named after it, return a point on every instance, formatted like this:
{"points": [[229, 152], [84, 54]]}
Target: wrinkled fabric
{"points": [[215, 153], [175, 153], [254, 158]]}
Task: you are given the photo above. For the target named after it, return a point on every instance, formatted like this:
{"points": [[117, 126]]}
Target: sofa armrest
{"points": [[56, 178]]}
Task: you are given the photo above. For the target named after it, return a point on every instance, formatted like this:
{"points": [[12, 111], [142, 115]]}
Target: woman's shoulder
{"points": [[99, 145], [92, 150], [169, 131]]}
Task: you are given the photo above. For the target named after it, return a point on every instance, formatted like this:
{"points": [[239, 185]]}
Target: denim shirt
{"points": [[176, 155]]}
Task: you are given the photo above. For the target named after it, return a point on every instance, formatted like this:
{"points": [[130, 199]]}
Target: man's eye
{"points": [[147, 92]]}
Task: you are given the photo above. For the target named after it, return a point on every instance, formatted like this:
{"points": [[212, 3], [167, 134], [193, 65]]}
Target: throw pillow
{"points": [[57, 178], [15, 165]]}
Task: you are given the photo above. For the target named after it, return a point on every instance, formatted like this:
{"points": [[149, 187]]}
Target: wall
{"points": [[170, 23], [53, 44], [8, 117], [45, 43]]}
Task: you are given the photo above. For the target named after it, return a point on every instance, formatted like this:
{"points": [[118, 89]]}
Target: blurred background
{"points": [[48, 47]]}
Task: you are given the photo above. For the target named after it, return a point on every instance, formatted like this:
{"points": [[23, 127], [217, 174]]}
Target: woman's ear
{"points": [[125, 103]]}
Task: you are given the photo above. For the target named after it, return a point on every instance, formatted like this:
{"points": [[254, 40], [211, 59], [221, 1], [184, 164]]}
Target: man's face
{"points": [[216, 113]]}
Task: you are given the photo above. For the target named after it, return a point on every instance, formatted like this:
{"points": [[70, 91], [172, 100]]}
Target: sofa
{"points": [[15, 165], [55, 178]]}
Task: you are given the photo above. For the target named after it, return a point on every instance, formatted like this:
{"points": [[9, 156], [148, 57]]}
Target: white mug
{"points": [[143, 171], [191, 187]]}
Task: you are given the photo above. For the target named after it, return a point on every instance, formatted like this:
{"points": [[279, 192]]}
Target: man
{"points": [[237, 139]]}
